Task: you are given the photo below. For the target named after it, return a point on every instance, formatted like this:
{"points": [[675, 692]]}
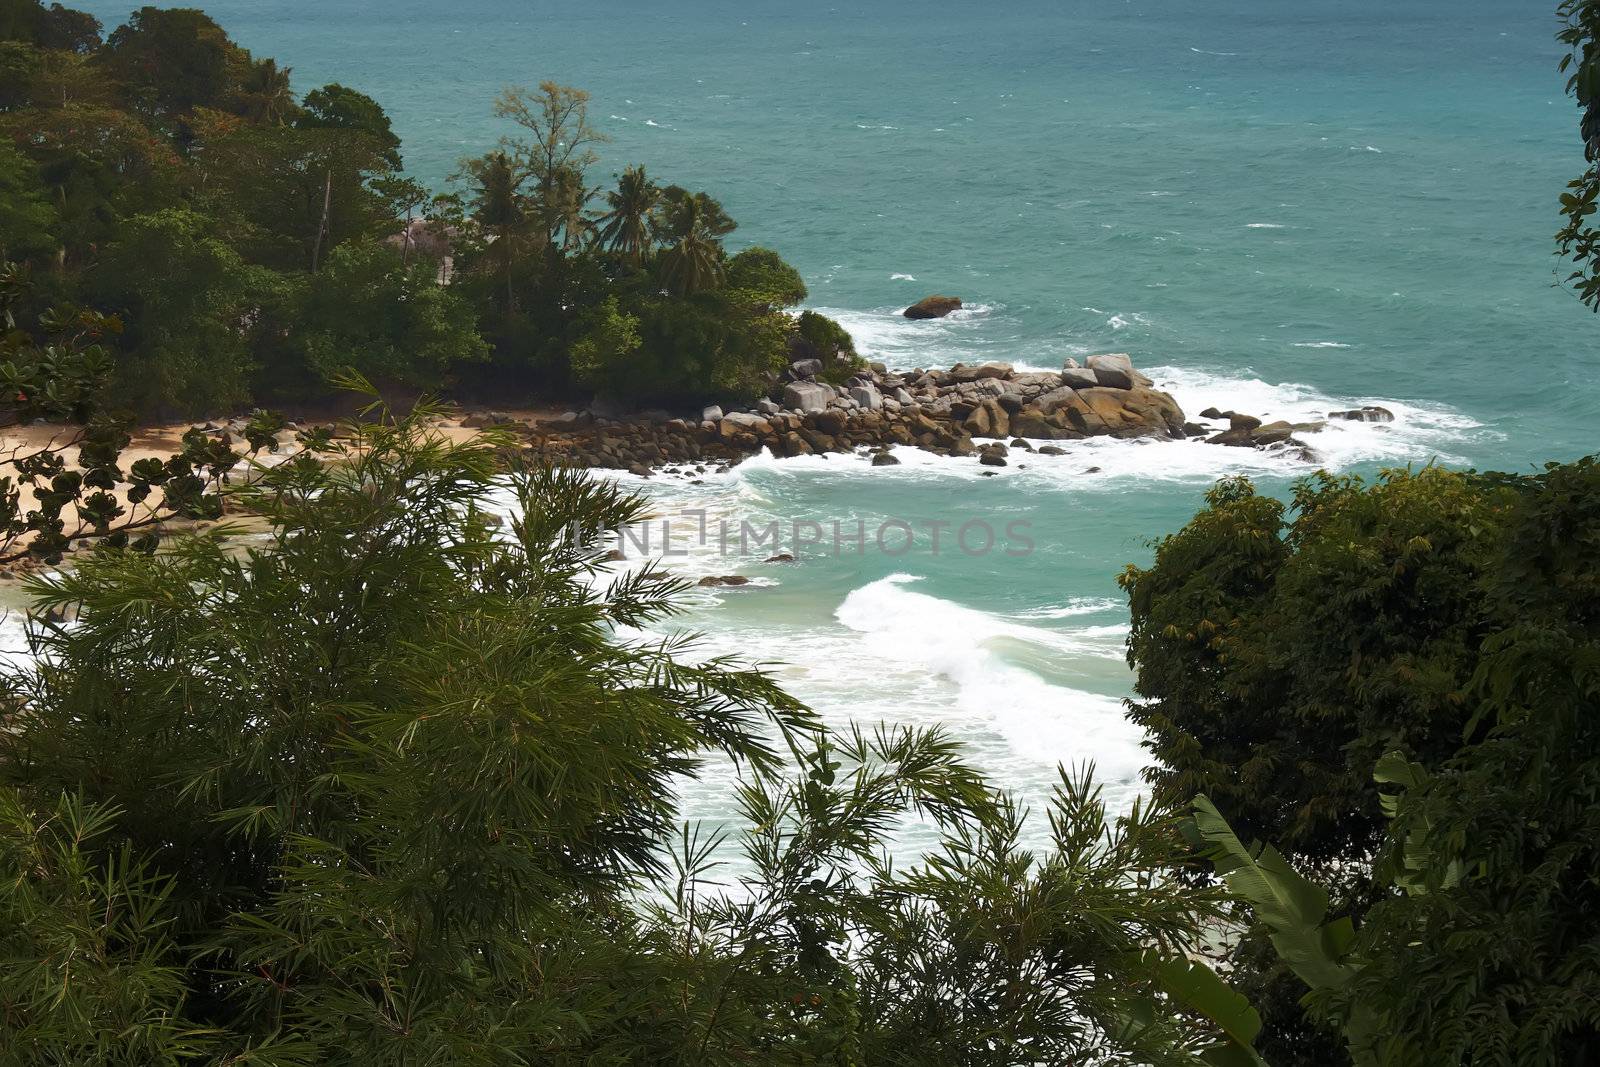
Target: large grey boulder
{"points": [[807, 396], [1113, 371], [806, 368], [867, 397], [711, 413]]}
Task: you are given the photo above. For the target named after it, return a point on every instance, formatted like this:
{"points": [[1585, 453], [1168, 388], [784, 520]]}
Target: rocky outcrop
{"points": [[969, 410], [952, 412], [1370, 413], [932, 307]]}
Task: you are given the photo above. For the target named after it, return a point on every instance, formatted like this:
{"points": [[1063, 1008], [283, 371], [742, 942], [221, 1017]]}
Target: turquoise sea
{"points": [[1279, 208]]}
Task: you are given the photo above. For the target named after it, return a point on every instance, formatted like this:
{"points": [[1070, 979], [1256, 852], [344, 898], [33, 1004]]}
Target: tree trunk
{"points": [[322, 230]]}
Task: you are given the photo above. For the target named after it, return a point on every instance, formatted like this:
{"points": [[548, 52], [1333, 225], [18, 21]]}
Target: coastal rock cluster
{"points": [[948, 412], [986, 411]]}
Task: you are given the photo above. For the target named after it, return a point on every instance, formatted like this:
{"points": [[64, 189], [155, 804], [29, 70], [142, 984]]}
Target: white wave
{"points": [[866, 126], [1265, 226], [1318, 344], [886, 335], [620, 118], [1203, 52], [901, 278], [1042, 723], [1075, 606]]}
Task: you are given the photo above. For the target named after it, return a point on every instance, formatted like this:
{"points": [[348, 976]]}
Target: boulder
{"points": [[711, 413], [1029, 423], [480, 421], [1051, 450], [781, 557], [1370, 413], [867, 396], [1238, 438], [806, 368], [932, 307], [988, 419], [807, 396], [1213, 413], [902, 397], [830, 421], [884, 459], [1112, 371], [961, 372], [1236, 421], [1272, 433], [1079, 378], [725, 579], [991, 459]]}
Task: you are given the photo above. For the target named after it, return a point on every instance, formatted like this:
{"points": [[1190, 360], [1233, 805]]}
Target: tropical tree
{"points": [[336, 106], [264, 94], [692, 262], [555, 152], [625, 226], [501, 210]]}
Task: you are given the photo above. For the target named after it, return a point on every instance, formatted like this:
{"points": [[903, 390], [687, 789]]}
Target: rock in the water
{"points": [[1213, 413], [1272, 433], [991, 459], [1236, 421], [806, 396], [725, 579], [932, 307], [884, 459], [1370, 413], [1051, 450], [781, 557]]}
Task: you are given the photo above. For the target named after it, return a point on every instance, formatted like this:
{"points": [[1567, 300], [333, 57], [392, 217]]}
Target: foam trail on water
{"points": [[1040, 723]]}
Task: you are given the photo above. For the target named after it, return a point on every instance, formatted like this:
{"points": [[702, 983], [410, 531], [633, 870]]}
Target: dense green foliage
{"points": [[243, 234], [1578, 238], [392, 789], [1437, 631], [74, 484]]}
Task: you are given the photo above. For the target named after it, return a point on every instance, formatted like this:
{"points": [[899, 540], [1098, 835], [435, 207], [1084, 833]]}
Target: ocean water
{"points": [[1278, 208]]}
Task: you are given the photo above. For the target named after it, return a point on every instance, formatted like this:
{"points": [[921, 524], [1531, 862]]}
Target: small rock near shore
{"points": [[932, 307]]}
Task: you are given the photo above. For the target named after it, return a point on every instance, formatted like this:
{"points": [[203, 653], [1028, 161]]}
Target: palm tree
{"points": [[694, 262], [626, 227], [500, 208], [567, 208], [265, 94]]}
